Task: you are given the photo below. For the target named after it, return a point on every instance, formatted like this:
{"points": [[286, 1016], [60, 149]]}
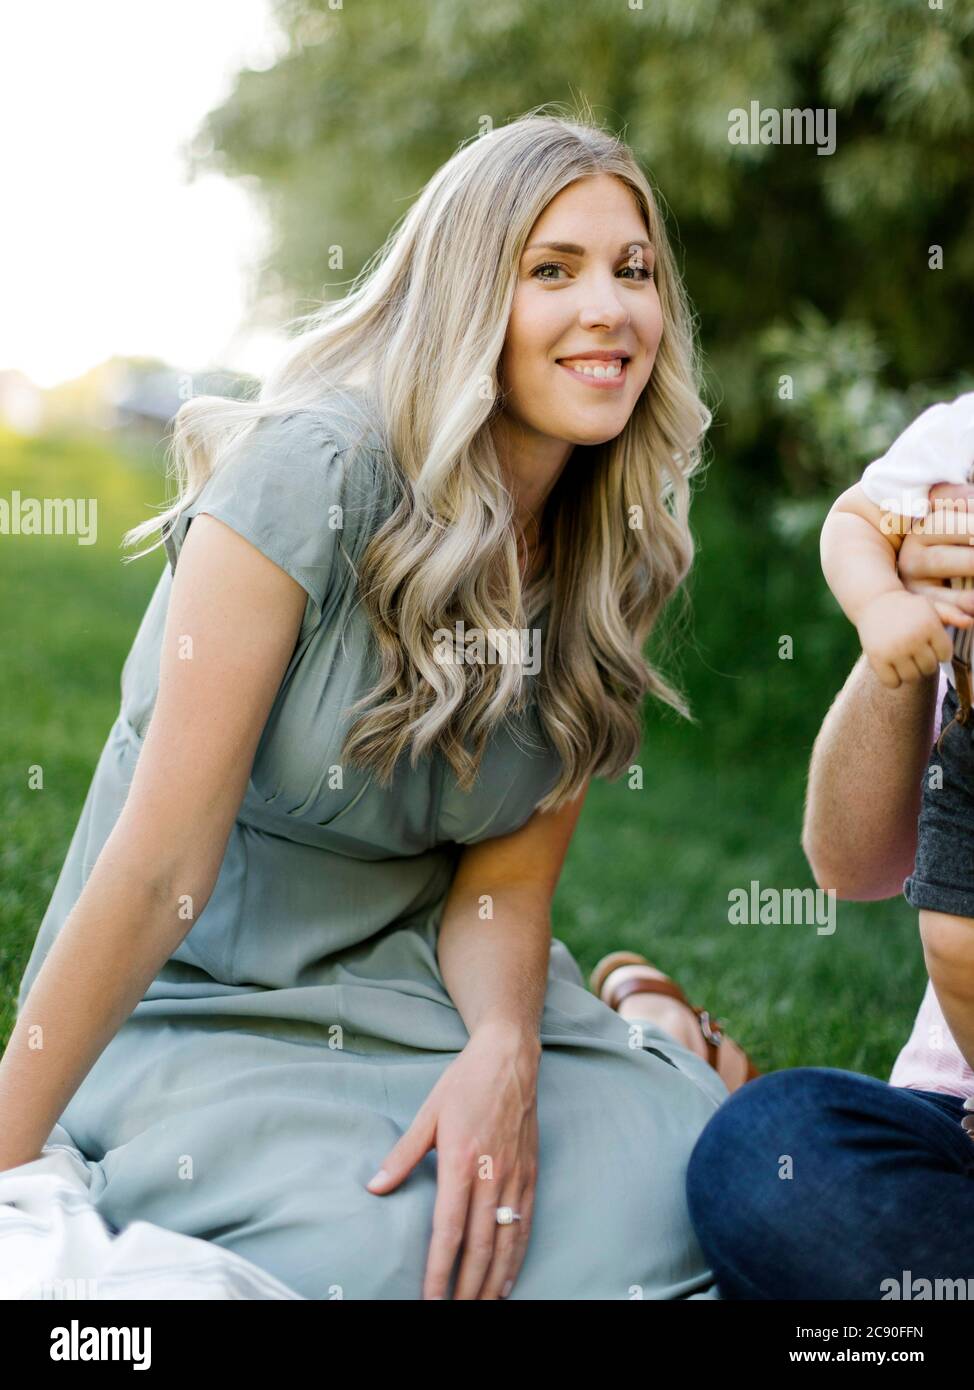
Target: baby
{"points": [[902, 633]]}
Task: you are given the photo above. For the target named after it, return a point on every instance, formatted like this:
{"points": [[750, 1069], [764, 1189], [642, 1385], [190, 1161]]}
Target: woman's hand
{"points": [[939, 548], [481, 1117]]}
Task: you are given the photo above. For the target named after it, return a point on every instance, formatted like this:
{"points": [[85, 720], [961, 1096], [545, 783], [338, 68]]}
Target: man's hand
{"points": [[903, 637], [940, 548]]}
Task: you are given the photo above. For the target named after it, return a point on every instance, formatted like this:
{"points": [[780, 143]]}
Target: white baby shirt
{"points": [[938, 447]]}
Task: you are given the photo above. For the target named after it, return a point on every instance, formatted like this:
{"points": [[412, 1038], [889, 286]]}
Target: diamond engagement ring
{"points": [[506, 1216]]}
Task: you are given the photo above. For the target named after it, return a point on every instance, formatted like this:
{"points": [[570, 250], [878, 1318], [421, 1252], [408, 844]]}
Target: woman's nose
{"points": [[603, 310]]}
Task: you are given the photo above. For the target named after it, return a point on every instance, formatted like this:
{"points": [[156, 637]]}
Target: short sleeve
{"points": [[938, 447], [301, 496]]}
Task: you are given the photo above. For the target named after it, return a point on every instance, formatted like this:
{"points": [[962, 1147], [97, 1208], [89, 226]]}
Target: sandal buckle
{"points": [[710, 1028]]}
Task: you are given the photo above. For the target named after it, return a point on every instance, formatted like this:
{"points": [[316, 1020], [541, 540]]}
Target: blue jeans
{"points": [[820, 1183]]}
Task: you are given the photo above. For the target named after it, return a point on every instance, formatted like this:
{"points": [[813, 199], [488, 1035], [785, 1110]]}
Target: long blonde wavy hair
{"points": [[445, 278]]}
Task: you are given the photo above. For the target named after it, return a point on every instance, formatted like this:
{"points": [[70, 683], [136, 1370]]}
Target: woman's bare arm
{"points": [[496, 968], [864, 785], [242, 614], [493, 948]]}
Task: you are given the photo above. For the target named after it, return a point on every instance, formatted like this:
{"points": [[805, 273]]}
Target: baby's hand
{"points": [[903, 637]]}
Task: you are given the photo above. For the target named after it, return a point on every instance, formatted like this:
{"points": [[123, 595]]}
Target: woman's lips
{"points": [[603, 383]]}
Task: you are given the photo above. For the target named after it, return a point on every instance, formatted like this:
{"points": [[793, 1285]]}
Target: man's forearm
{"points": [[493, 949], [865, 782]]}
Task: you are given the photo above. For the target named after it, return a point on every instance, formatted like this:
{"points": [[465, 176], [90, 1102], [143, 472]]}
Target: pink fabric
{"points": [[930, 1059]]}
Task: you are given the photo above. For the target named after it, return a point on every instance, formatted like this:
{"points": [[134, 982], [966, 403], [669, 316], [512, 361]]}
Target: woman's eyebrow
{"points": [[570, 249]]}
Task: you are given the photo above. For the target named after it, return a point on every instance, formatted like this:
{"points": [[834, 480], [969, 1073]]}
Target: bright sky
{"points": [[104, 246]]}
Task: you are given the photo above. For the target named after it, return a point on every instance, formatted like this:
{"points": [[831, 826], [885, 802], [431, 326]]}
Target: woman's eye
{"points": [[645, 272], [548, 265]]}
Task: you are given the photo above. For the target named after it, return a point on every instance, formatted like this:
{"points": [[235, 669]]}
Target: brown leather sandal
{"points": [[728, 1058]]}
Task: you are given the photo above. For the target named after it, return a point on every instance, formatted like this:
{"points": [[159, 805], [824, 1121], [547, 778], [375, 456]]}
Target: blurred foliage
{"points": [[827, 388], [367, 100]]}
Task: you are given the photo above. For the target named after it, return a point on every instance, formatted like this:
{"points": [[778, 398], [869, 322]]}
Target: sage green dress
{"points": [[292, 1037]]}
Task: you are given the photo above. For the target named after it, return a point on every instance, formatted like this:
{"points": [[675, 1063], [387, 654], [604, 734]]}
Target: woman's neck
{"points": [[531, 465], [532, 550]]}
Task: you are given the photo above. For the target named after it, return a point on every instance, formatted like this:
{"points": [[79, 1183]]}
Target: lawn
{"points": [[651, 869]]}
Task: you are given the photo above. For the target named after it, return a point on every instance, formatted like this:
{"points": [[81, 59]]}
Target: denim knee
{"points": [[744, 1218], [726, 1147], [818, 1183]]}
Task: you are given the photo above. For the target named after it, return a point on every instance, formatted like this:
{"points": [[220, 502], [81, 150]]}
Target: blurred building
{"points": [[21, 403], [144, 399], [133, 397]]}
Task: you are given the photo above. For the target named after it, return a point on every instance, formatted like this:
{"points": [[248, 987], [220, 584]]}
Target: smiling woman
{"points": [[303, 929]]}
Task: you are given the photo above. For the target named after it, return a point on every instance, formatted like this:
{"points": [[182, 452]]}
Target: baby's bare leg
{"points": [[948, 948]]}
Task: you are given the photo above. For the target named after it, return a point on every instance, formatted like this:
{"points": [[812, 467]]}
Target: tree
{"points": [[367, 100]]}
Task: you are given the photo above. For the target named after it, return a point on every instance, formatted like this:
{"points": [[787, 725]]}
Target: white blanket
{"points": [[54, 1244]]}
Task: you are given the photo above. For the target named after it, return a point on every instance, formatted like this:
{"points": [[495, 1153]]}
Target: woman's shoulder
{"points": [[307, 486], [315, 432], [340, 436]]}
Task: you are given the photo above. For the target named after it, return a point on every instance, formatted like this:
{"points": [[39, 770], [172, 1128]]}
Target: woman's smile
{"points": [[603, 371]]}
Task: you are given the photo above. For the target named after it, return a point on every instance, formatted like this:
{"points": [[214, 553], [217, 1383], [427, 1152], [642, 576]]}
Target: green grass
{"points": [[651, 869], [68, 614]]}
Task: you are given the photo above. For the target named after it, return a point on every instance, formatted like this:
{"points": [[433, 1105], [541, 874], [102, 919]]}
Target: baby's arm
{"points": [[902, 634]]}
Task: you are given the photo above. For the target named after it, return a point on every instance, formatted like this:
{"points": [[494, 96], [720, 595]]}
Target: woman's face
{"points": [[592, 294]]}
